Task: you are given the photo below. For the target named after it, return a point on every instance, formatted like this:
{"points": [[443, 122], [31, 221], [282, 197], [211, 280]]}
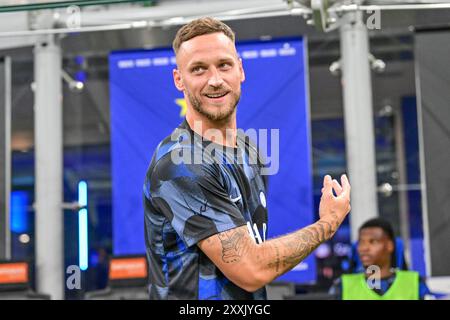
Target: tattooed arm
{"points": [[251, 266]]}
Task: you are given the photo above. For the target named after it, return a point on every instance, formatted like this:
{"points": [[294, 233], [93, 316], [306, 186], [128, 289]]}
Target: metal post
{"points": [[402, 181], [48, 168], [358, 115], [5, 158]]}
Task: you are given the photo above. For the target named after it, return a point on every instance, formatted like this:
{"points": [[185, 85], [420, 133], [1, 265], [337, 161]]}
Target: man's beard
{"points": [[221, 115]]}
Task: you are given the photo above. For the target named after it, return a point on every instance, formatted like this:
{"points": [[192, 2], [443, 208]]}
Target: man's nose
{"points": [[363, 248], [215, 79]]}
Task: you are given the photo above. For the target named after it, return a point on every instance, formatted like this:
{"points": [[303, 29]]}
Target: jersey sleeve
{"points": [[336, 289], [193, 198]]}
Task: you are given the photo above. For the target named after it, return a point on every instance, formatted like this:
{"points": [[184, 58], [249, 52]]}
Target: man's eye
{"points": [[197, 69], [225, 65]]}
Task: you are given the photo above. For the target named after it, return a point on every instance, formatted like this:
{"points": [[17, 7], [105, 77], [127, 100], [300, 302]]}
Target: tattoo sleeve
{"points": [[284, 253], [276, 256], [235, 244]]}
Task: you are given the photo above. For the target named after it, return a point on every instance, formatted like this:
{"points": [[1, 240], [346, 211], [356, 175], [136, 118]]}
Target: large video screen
{"points": [[146, 107]]}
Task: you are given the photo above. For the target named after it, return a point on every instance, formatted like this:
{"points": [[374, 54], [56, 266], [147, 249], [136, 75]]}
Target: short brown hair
{"points": [[200, 27]]}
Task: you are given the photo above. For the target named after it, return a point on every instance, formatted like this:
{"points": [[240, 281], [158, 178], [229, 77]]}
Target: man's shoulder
{"points": [[351, 276], [175, 157], [178, 139]]}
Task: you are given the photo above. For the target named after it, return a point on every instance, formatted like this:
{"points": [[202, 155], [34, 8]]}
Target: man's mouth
{"points": [[216, 95]]}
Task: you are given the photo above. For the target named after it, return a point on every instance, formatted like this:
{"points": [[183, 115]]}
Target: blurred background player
{"points": [[376, 251]]}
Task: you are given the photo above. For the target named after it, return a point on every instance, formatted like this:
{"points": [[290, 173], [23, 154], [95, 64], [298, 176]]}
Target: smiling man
{"points": [[212, 96], [206, 221]]}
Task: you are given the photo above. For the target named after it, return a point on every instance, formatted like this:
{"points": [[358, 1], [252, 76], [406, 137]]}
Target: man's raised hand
{"points": [[334, 208]]}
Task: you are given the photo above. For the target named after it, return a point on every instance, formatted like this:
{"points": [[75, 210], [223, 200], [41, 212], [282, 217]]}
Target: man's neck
{"points": [[221, 132]]}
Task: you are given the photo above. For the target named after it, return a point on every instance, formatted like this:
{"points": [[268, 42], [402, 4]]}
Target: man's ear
{"points": [[177, 79], [391, 246], [241, 68]]}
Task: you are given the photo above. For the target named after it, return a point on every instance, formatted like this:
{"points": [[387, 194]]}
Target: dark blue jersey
{"points": [[193, 190]]}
